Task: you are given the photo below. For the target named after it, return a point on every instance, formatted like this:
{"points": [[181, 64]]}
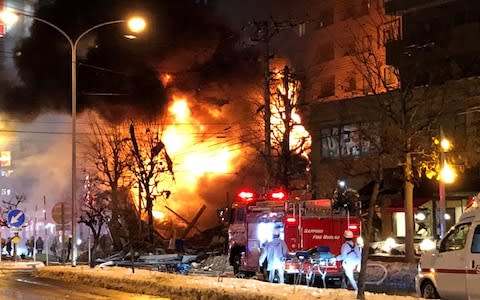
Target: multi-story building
{"points": [[441, 36], [432, 45]]}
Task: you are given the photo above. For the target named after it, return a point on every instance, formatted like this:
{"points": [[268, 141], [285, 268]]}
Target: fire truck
{"points": [[312, 229]]}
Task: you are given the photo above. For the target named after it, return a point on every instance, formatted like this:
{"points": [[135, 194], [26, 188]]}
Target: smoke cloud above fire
{"points": [[189, 42]]}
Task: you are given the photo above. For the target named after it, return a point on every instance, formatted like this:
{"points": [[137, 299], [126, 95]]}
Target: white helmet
{"points": [[348, 234]]}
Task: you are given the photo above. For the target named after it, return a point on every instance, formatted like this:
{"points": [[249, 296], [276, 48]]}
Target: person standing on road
{"points": [[39, 245], [9, 246], [275, 252], [29, 245], [350, 255]]}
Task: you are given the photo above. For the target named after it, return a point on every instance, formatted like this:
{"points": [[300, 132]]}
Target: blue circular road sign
{"points": [[16, 218]]}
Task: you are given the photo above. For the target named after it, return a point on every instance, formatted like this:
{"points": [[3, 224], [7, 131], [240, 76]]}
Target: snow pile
{"points": [[195, 287]]}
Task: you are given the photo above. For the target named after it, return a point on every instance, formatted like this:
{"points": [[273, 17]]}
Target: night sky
{"points": [[200, 43]]}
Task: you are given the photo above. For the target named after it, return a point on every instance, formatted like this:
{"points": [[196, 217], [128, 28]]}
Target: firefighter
{"points": [[235, 257], [350, 255], [275, 252]]}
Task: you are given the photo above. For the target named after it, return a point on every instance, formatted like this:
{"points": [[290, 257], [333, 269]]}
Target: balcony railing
{"points": [[400, 7]]}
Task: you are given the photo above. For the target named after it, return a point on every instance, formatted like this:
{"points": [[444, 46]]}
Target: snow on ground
{"points": [[196, 286]]}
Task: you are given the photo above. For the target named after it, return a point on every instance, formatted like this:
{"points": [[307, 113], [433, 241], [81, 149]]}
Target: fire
{"points": [[203, 153], [166, 79], [196, 152], [298, 133]]}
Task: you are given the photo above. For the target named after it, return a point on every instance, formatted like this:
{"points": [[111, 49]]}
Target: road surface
{"points": [[21, 285]]}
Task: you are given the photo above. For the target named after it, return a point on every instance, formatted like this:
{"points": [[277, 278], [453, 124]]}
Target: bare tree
{"points": [[409, 112], [151, 166], [108, 157], [94, 213], [8, 205], [290, 141]]}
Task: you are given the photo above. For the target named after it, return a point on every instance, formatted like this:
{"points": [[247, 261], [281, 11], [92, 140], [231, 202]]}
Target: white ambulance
{"points": [[452, 270]]}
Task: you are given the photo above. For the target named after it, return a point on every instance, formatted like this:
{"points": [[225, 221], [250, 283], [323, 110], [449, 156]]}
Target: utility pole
{"points": [[264, 31], [287, 124], [441, 188]]}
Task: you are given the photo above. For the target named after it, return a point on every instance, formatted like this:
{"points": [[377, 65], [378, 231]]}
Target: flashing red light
{"points": [[291, 220], [278, 195], [245, 195], [352, 227]]}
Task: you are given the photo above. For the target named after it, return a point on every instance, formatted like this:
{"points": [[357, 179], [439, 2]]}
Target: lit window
{"points": [[5, 159], [5, 192], [302, 29], [389, 76]]}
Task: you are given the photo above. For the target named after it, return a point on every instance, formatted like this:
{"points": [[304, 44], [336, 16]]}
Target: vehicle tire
{"points": [[429, 291]]}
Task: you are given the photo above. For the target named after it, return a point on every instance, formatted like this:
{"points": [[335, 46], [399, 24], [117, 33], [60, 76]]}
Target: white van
{"points": [[452, 270]]}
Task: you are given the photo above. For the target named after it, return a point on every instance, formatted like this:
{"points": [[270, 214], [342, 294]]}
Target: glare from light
{"points": [[445, 144], [79, 241], [158, 214], [427, 245], [341, 183], [447, 217], [136, 24], [8, 17], [360, 242], [447, 174], [420, 216], [388, 244], [130, 36], [265, 232]]}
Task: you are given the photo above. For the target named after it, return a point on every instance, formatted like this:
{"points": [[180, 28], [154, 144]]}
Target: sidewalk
{"points": [[20, 265]]}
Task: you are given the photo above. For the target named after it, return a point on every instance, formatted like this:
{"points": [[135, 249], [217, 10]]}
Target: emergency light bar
{"points": [[291, 220], [278, 195], [352, 227]]}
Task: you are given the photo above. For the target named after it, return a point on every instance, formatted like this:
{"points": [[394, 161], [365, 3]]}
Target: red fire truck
{"points": [[312, 230]]}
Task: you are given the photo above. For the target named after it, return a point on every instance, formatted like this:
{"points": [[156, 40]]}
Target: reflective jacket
{"points": [[275, 252], [350, 255]]}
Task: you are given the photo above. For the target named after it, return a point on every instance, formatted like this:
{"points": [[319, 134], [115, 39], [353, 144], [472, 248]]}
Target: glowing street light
{"points": [[446, 175], [136, 24]]}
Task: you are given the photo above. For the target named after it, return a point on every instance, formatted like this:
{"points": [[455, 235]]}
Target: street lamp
{"points": [[136, 24], [446, 175]]}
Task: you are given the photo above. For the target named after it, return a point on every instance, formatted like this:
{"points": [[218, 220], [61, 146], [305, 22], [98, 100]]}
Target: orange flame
{"points": [[196, 153]]}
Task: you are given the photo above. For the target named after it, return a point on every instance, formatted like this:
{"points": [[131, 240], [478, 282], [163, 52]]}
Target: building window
{"points": [[380, 4], [389, 31], [367, 43], [330, 143], [350, 84], [387, 35], [350, 140], [327, 88], [326, 18], [5, 159], [363, 7], [325, 53], [389, 76], [349, 49], [6, 173], [302, 28], [347, 12], [368, 86]]}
